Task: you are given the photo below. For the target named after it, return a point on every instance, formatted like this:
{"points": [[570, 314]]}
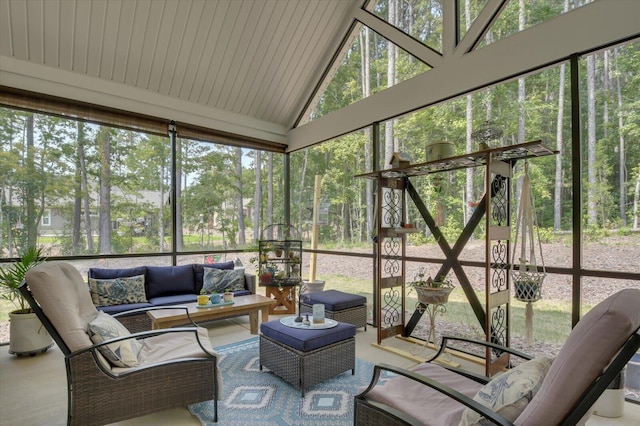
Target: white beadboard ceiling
{"points": [[244, 66]]}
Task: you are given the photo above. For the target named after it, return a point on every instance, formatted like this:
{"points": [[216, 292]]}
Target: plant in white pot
{"points": [[27, 334], [430, 291]]}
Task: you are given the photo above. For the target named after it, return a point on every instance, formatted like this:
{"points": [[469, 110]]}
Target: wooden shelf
{"points": [[465, 161]]}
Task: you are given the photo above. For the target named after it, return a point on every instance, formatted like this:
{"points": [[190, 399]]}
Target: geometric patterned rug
{"points": [[254, 397]]}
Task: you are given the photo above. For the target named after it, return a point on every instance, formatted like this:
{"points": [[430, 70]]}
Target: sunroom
{"points": [[252, 113]]}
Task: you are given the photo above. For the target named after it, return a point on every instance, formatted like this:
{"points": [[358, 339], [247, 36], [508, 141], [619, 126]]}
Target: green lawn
{"points": [[551, 319]]}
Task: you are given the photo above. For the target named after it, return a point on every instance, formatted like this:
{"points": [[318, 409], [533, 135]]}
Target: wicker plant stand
{"points": [[306, 368]]}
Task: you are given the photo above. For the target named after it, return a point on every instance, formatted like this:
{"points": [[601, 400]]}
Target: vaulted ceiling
{"points": [[252, 67]]}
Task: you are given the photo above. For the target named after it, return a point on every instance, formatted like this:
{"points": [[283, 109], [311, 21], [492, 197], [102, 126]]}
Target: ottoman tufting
{"points": [[304, 357], [339, 306]]}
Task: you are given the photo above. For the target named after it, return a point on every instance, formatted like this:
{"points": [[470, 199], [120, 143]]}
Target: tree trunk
{"points": [[592, 218], [622, 202], [104, 148], [557, 193], [368, 147], [391, 79], [241, 234], [31, 225], [469, 195], [85, 187], [77, 192], [179, 213], [163, 192], [636, 197], [257, 197], [303, 174]]}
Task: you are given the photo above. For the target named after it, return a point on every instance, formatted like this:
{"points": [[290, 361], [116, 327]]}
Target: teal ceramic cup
{"points": [[215, 298]]}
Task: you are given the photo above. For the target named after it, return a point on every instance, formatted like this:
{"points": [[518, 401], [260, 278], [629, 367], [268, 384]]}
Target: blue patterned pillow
{"points": [[509, 393], [218, 280], [117, 291], [120, 354]]}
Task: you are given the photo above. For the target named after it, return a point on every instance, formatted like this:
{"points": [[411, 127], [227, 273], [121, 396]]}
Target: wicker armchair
{"points": [[175, 367], [596, 351]]}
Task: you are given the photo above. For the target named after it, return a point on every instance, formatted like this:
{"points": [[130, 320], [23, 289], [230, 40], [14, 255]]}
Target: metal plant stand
{"points": [[389, 269]]}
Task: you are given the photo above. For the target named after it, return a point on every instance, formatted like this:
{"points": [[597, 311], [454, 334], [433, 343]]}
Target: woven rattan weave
{"points": [[304, 369], [356, 315]]}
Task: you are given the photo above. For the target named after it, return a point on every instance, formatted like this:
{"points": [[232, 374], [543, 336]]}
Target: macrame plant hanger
{"points": [[526, 274]]}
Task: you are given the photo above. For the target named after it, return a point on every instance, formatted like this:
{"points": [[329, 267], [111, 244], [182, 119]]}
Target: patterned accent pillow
{"points": [[119, 354], [117, 291], [217, 280], [509, 393]]}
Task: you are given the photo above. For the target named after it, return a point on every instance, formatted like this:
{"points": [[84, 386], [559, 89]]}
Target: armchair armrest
{"points": [[447, 338], [446, 390]]}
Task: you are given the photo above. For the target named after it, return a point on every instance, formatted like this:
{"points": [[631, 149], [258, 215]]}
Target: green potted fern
{"points": [[27, 334]]}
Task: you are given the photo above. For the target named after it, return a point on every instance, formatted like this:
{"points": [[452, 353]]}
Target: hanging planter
{"points": [[526, 274], [527, 285]]}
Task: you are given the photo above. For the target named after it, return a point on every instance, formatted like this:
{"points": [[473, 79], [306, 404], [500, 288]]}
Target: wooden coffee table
{"points": [[243, 305]]}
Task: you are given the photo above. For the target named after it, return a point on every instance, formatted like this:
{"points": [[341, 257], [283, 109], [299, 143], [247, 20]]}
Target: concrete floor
{"points": [[33, 389]]}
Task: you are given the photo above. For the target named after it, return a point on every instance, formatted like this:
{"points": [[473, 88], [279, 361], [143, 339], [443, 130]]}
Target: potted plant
{"points": [[227, 296], [430, 291], [27, 334]]}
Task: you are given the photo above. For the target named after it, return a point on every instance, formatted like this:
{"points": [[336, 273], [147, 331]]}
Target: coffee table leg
{"points": [[265, 314], [253, 322]]}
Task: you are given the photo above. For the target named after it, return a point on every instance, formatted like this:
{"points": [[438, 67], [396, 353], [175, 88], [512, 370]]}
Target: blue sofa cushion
{"points": [[116, 309], [306, 339], [334, 300], [107, 274], [198, 270], [178, 299], [170, 280]]}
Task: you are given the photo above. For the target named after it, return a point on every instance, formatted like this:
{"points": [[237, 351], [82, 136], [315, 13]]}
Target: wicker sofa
{"points": [[163, 286]]}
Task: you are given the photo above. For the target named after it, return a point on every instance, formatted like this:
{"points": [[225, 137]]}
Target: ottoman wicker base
{"points": [[338, 305], [356, 315], [306, 368]]}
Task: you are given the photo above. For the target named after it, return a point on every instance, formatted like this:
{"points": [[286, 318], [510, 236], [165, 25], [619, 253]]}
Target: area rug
{"points": [[251, 396]]}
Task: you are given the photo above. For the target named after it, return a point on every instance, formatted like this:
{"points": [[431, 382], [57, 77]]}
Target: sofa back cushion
{"points": [[170, 280], [591, 346], [107, 274], [198, 270]]}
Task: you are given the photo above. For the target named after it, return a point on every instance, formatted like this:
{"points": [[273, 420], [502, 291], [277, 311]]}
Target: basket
{"points": [[433, 295], [527, 285]]}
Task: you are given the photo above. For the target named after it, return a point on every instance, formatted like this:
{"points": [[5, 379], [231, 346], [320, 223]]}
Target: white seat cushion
{"points": [[424, 403]]}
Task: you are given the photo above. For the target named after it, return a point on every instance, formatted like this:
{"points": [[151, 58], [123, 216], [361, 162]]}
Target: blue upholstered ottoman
{"points": [[304, 357], [340, 306]]}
